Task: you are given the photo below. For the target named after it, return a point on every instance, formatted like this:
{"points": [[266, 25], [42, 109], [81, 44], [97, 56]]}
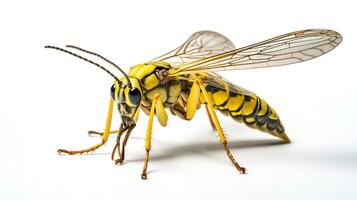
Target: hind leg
{"points": [[216, 123], [210, 118]]}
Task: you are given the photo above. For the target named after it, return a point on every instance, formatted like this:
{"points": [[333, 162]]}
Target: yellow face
{"points": [[128, 99]]}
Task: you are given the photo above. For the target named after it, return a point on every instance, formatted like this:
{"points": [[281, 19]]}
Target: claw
{"points": [[242, 170], [94, 133], [144, 176], [119, 161], [60, 151]]}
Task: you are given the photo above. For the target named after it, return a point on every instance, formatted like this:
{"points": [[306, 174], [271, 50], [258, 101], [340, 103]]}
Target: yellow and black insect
{"points": [[185, 78]]}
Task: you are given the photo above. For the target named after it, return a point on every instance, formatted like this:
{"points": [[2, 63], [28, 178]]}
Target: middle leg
{"points": [[156, 103]]}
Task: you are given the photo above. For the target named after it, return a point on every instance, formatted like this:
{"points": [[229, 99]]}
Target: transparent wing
{"points": [[200, 45], [217, 81], [281, 50]]}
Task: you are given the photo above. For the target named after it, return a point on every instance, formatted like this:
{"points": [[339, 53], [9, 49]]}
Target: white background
{"points": [[50, 100]]}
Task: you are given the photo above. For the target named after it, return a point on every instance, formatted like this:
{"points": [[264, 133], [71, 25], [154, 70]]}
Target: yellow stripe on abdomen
{"points": [[249, 109]]}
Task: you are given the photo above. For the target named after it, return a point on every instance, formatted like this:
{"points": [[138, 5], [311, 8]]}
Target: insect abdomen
{"points": [[249, 109]]}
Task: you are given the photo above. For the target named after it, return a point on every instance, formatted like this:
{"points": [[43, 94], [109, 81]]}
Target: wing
{"points": [[217, 81], [200, 45], [281, 50]]}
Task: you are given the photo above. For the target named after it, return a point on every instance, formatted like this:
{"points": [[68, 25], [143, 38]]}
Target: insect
{"points": [[184, 79]]}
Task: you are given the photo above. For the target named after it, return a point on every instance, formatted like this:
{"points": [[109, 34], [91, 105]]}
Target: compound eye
{"points": [[112, 91], [135, 96]]}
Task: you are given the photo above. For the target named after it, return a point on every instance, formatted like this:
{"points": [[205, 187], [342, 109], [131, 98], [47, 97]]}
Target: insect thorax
{"points": [[149, 73], [152, 82]]}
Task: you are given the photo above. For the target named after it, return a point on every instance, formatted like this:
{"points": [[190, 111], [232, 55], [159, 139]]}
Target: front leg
{"points": [[104, 136], [96, 133], [122, 129], [158, 108], [121, 153]]}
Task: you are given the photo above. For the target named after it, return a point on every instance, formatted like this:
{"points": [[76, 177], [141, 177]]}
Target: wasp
{"points": [[185, 78]]}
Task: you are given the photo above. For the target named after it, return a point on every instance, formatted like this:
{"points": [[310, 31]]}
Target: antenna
{"points": [[105, 59], [85, 59]]}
